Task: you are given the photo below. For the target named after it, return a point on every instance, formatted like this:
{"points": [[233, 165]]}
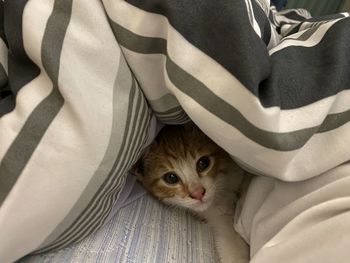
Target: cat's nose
{"points": [[198, 193]]}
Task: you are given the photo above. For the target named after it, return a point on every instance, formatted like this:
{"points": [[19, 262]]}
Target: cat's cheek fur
{"points": [[159, 189], [179, 197]]}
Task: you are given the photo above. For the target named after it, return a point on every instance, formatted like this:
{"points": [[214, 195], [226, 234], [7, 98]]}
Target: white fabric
{"points": [[299, 222]]}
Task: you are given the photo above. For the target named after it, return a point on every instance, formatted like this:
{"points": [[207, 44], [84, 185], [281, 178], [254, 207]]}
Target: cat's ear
{"points": [[137, 169]]}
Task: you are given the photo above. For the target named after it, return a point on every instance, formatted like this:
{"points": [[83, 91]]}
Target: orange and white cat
{"points": [[184, 168]]}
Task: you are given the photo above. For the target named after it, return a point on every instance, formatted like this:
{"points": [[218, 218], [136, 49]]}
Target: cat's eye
{"points": [[203, 163], [171, 178]]}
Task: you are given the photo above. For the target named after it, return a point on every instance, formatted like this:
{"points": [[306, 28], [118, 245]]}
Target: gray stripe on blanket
{"points": [[94, 215], [302, 75], [169, 113], [226, 112], [123, 79], [168, 110], [225, 40], [179, 117], [140, 44], [148, 45], [164, 103], [199, 92], [35, 127], [21, 69], [3, 81], [131, 138], [6, 96]]}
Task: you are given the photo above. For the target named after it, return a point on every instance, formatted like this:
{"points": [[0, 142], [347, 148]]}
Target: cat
{"points": [[184, 168]]}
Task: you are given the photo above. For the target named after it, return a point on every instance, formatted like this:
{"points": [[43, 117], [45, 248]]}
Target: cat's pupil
{"points": [[203, 163], [171, 178]]}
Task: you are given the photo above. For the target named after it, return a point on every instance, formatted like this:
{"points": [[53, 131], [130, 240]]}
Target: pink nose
{"points": [[198, 193]]}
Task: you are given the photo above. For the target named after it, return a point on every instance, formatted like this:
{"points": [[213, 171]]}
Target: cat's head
{"points": [[183, 167]]}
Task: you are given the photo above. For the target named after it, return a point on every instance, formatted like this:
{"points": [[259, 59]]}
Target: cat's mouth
{"points": [[202, 205]]}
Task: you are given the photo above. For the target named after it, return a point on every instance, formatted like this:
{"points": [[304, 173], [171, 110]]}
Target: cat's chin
{"points": [[200, 207], [193, 205]]}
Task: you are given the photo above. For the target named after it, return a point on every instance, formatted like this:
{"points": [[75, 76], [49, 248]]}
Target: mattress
{"points": [[142, 231]]}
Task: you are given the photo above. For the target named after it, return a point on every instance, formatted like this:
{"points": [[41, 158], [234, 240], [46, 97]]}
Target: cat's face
{"points": [[183, 168]]}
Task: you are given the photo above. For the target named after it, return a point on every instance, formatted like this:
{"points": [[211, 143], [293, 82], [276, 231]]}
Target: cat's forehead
{"points": [[166, 158], [177, 150], [176, 146], [182, 159]]}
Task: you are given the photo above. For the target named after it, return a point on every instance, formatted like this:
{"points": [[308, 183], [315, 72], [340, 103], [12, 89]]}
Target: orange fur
{"points": [[174, 145], [210, 192]]}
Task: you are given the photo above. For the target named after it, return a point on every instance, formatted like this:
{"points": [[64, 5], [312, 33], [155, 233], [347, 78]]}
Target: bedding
{"points": [[85, 85], [142, 231], [283, 222]]}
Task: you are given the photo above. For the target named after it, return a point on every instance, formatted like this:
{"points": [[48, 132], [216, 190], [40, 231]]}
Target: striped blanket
{"points": [[84, 84]]}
